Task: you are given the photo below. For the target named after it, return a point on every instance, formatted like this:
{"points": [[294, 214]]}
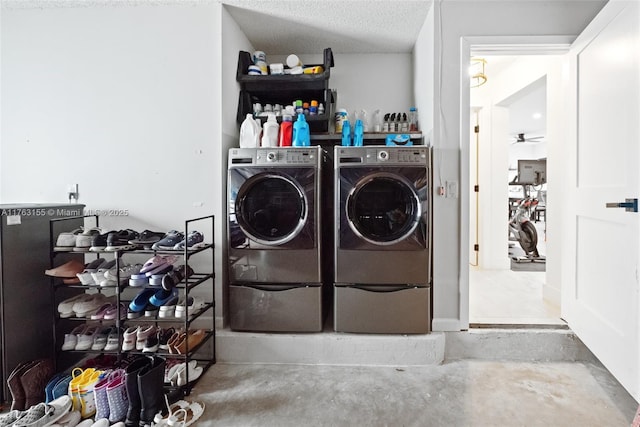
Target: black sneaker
{"points": [[165, 335], [99, 242], [119, 240], [168, 242], [147, 238]]}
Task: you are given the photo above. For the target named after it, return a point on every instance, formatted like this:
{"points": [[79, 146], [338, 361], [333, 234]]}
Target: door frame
{"points": [[483, 45]]}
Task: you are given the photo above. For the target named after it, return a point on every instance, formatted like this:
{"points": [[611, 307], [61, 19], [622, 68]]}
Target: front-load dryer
{"points": [[382, 241], [275, 271]]}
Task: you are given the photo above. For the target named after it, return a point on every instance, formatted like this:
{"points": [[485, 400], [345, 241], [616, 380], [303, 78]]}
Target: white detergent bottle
{"points": [[270, 132], [249, 133]]}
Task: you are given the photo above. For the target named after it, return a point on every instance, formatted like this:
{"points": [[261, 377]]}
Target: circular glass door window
{"points": [[382, 209], [271, 209]]}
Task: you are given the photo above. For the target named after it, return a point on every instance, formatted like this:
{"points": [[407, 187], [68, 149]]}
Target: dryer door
{"points": [[384, 209], [272, 209]]}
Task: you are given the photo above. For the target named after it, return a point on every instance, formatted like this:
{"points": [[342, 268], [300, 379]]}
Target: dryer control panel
{"points": [[383, 155]]}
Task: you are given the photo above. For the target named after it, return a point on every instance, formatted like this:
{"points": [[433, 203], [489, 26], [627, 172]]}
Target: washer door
{"points": [[271, 209]]}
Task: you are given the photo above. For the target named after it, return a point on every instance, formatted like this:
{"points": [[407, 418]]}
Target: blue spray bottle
{"points": [[346, 133], [358, 134], [301, 133]]}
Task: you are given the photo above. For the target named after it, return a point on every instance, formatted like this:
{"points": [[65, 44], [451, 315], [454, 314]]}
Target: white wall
{"points": [[466, 19], [122, 101], [234, 41]]}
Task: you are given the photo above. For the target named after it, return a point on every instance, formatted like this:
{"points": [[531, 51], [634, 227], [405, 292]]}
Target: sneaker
{"points": [[86, 338], [98, 276], [99, 242], [143, 333], [84, 239], [147, 238], [129, 338], [71, 339], [163, 338], [119, 240], [151, 344], [66, 240], [113, 340], [85, 276], [101, 337], [194, 240], [111, 278], [168, 242]]}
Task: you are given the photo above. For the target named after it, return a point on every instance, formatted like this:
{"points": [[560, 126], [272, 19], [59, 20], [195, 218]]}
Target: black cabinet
{"points": [[26, 302]]}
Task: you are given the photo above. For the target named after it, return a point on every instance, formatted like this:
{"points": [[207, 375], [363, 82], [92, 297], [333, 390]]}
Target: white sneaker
{"points": [[129, 338], [85, 339], [71, 339]]}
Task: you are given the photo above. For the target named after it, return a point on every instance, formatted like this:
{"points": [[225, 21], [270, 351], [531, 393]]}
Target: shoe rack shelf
{"points": [[205, 357]]}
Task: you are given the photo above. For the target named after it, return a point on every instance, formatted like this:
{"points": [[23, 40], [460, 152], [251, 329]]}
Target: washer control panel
{"points": [[286, 156]]}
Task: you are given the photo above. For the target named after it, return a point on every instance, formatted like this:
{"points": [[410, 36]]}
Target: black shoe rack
{"points": [[204, 352]]}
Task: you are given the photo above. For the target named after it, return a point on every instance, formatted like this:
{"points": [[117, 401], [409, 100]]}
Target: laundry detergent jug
{"points": [[270, 132], [249, 132], [301, 133]]}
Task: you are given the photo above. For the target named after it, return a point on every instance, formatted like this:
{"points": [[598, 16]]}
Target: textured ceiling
{"points": [[308, 26], [302, 26]]}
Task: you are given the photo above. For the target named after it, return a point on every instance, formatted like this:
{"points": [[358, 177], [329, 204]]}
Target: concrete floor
{"points": [[456, 393]]}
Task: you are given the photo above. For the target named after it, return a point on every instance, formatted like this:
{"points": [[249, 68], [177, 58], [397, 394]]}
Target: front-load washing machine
{"points": [[382, 239], [275, 271]]}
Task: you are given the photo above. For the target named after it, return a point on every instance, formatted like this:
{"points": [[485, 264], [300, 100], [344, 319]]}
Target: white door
{"points": [[600, 297]]}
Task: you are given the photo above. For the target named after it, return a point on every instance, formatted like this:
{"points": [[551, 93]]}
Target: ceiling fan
{"points": [[520, 138]]}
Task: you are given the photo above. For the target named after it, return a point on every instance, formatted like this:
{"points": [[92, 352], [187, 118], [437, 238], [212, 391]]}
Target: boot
{"points": [[131, 381], [150, 383], [34, 380], [15, 385]]}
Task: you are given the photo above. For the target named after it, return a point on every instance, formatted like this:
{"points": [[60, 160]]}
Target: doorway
{"points": [[508, 130]]}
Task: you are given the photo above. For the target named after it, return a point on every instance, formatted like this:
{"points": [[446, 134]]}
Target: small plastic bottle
{"points": [[413, 119], [286, 131], [321, 109]]}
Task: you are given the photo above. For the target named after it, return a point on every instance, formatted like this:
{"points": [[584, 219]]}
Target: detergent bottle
{"points": [[358, 134], [346, 133], [270, 132], [286, 131], [249, 133], [301, 134]]}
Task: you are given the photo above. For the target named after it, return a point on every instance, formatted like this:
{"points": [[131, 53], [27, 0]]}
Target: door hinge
{"points": [[476, 188], [476, 129], [476, 247]]}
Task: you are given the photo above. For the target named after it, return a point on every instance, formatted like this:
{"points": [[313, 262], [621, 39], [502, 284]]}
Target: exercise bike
{"points": [[524, 232]]}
